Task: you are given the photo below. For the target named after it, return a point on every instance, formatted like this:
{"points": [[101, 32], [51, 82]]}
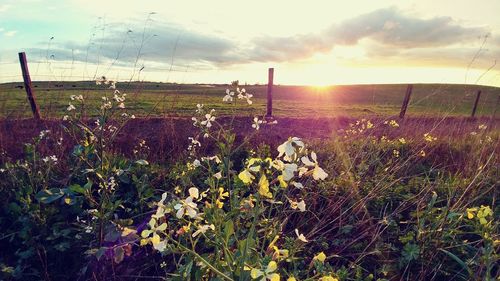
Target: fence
{"points": [[31, 95]]}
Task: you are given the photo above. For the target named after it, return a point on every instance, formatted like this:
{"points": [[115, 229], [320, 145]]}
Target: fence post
{"points": [[406, 101], [475, 104], [269, 112], [27, 85]]}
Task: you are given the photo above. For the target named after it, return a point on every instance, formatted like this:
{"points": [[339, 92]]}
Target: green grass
{"points": [[159, 99]]}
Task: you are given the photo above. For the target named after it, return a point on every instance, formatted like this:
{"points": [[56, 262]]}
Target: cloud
{"points": [[389, 33], [160, 43], [389, 27]]}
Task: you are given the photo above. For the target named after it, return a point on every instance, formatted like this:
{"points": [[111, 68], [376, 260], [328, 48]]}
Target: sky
{"points": [[307, 42]]}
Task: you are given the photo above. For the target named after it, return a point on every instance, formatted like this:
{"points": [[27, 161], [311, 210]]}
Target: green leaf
{"points": [[228, 230], [457, 259], [49, 195], [76, 188]]}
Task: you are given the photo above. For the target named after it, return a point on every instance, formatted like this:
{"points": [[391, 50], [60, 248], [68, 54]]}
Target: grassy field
{"points": [[160, 99]]}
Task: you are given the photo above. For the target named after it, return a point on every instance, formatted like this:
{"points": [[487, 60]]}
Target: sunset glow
{"points": [[323, 43]]}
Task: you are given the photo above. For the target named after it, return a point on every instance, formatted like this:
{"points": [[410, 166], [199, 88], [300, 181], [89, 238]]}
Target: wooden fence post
{"points": [[27, 85], [269, 112], [475, 104], [406, 101]]}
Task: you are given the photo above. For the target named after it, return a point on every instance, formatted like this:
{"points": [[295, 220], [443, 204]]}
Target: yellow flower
{"points": [[264, 187], [402, 140], [222, 195], [291, 278], [321, 257], [429, 138], [422, 153], [283, 183], [470, 212], [246, 177]]}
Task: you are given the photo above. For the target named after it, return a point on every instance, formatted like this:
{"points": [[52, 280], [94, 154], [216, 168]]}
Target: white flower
{"points": [[121, 105], [218, 175], [203, 228], [132, 116], [242, 94], [228, 97], [194, 192], [65, 118], [187, 207], [43, 133], [301, 205], [288, 150], [208, 121], [196, 163], [199, 108], [300, 236], [318, 172], [289, 171], [256, 123], [70, 107]]}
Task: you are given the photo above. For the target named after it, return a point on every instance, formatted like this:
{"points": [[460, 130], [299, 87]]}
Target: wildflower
{"points": [[53, 159], [70, 107], [222, 196], [154, 229], [287, 149], [369, 124], [301, 236], [43, 133], [202, 229], [318, 172], [199, 108], [187, 206], [121, 105], [218, 175], [321, 257], [264, 187], [429, 138], [267, 274], [196, 163], [132, 116], [246, 177], [256, 123], [208, 121], [392, 123], [242, 94], [484, 212], [177, 189], [301, 205], [395, 153], [422, 153], [402, 140], [482, 127], [228, 97], [291, 278], [65, 118]]}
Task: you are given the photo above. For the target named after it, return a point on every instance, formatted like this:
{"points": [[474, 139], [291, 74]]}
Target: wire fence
{"points": [[55, 81]]}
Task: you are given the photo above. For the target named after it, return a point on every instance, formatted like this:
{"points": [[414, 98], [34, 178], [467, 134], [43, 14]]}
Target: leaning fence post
{"points": [[475, 104], [27, 85], [269, 112], [406, 101]]}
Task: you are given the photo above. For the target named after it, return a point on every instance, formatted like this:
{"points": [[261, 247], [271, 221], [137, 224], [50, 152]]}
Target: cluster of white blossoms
{"points": [[43, 134], [241, 94], [50, 159]]}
